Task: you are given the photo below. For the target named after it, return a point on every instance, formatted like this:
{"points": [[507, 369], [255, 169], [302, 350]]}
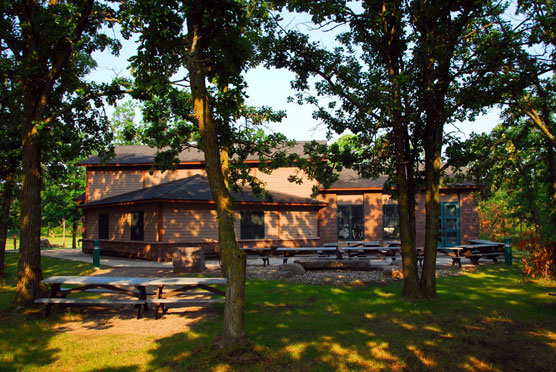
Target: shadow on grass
{"points": [[483, 321], [25, 336]]}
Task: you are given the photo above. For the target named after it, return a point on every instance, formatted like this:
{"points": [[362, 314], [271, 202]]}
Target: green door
{"points": [[449, 225]]}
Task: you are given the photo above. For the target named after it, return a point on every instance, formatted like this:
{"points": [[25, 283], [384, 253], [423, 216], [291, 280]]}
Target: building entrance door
{"points": [[449, 225]]}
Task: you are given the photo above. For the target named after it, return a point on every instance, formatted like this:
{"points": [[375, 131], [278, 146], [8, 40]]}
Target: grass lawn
{"points": [[57, 239], [487, 320]]}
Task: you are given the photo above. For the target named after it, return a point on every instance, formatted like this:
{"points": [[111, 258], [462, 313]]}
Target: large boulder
{"points": [[294, 268], [188, 259], [45, 243]]}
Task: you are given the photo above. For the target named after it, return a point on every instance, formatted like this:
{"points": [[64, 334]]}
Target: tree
{"points": [[124, 128], [62, 184], [9, 161], [403, 70], [528, 75], [46, 50], [188, 71]]}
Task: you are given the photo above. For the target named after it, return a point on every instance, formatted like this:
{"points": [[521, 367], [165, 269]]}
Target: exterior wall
{"points": [[278, 181], [272, 221], [420, 220], [119, 227], [372, 208], [299, 224], [194, 224], [158, 177], [103, 184], [468, 217], [350, 199], [373, 202], [328, 225]]}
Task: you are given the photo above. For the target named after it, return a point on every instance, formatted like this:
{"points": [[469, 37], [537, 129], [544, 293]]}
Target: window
{"points": [[390, 222], [103, 225], [137, 226], [252, 225], [350, 222]]}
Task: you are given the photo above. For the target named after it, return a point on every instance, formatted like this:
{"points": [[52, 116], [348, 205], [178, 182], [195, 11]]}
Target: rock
{"points": [[285, 274], [394, 272], [188, 259], [295, 269], [45, 243]]}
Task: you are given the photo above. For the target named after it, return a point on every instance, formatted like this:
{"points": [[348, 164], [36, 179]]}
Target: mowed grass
{"points": [[487, 320]]}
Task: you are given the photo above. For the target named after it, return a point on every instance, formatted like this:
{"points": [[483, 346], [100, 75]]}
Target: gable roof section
{"points": [[144, 155], [195, 189]]}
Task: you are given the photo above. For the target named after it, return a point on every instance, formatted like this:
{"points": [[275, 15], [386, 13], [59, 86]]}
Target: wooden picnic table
{"points": [[474, 252], [133, 287]]}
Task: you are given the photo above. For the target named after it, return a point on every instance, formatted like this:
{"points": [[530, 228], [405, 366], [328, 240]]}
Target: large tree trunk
{"points": [[4, 217], [432, 207], [391, 25], [29, 273], [233, 260]]}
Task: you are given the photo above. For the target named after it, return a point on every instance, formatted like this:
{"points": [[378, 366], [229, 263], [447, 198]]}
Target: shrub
{"points": [[541, 261]]}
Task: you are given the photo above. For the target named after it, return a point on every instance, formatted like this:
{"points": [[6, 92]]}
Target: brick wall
{"points": [[372, 208], [468, 217], [328, 225]]}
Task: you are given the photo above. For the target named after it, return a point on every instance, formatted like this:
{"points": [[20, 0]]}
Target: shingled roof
{"points": [[195, 189], [144, 155], [350, 179]]}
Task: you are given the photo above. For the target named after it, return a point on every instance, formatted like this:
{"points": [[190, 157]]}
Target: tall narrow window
{"points": [[137, 226], [103, 225], [390, 222], [350, 222], [252, 225]]}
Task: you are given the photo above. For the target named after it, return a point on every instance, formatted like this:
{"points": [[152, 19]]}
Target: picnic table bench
{"points": [[289, 252], [133, 287], [380, 251], [474, 252]]}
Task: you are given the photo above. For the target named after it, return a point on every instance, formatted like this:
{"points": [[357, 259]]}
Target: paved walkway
{"points": [[78, 255]]}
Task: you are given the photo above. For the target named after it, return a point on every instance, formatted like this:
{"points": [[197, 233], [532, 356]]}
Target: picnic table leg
{"points": [[456, 260], [159, 294], [55, 292], [142, 296]]}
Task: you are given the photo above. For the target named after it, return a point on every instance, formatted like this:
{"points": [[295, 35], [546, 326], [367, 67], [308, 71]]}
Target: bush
{"points": [[542, 257]]}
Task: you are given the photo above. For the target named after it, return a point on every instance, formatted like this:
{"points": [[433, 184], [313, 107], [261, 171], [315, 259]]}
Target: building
{"points": [[136, 211]]}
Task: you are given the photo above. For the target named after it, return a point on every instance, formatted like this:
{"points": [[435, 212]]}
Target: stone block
{"points": [[188, 259], [294, 268]]}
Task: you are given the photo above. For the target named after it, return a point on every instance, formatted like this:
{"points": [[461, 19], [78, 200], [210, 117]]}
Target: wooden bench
{"points": [[160, 303], [90, 302]]}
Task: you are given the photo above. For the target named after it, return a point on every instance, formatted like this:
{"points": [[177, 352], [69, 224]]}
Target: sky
{"points": [[272, 88]]}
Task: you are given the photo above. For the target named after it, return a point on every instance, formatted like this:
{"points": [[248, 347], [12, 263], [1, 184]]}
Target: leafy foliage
{"points": [[541, 261]]}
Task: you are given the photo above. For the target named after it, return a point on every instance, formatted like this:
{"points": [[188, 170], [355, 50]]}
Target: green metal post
{"points": [[96, 253], [508, 251]]}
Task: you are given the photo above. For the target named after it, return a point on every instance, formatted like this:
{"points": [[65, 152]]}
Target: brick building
{"points": [[137, 212]]}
